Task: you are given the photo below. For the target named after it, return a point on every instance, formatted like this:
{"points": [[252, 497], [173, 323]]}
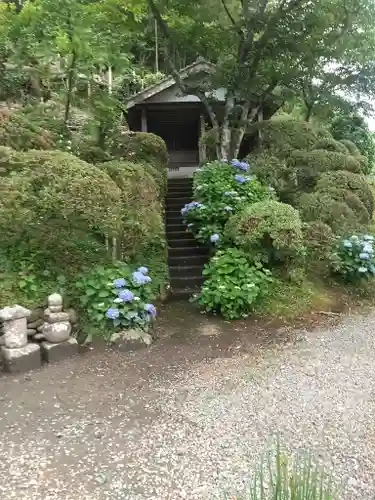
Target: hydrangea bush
{"points": [[354, 258], [220, 190], [234, 284], [117, 298]]}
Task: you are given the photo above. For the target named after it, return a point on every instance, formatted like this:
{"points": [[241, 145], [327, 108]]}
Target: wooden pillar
{"points": [[202, 146], [143, 119]]}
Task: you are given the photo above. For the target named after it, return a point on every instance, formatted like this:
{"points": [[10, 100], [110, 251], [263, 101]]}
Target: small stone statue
{"points": [[56, 331], [18, 355]]}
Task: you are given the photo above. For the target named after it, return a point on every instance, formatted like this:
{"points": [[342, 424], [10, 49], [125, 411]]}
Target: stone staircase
{"points": [[186, 257]]}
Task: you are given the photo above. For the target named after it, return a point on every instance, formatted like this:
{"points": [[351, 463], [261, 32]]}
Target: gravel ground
{"points": [[190, 417]]}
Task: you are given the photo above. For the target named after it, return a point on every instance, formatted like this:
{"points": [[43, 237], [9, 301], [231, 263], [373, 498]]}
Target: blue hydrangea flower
{"points": [[240, 178], [190, 206], [362, 269], [364, 256], [228, 208], [367, 248], [190, 225], [347, 244], [126, 295], [241, 165], [214, 238], [140, 279], [112, 313], [143, 270], [120, 283], [230, 193], [151, 309], [368, 237]]}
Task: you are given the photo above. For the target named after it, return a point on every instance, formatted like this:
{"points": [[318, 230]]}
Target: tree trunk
{"points": [[308, 113], [225, 132], [70, 85]]}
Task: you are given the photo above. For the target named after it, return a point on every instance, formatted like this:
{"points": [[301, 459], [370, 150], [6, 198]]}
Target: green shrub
{"points": [[351, 182], [88, 151], [18, 133], [318, 240], [353, 259], [329, 144], [143, 230], [220, 190], [48, 116], [281, 135], [233, 284], [351, 147], [116, 297], [271, 232], [141, 147], [321, 207]]}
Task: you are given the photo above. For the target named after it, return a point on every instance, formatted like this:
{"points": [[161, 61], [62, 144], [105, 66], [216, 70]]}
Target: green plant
{"points": [[318, 240], [353, 258], [271, 232], [281, 478], [348, 181], [220, 190], [116, 297], [332, 145], [234, 284], [322, 207]]}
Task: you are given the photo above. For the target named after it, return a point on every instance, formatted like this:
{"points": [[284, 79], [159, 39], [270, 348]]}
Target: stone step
{"points": [[183, 294], [179, 193], [182, 233], [177, 226], [187, 251], [189, 260], [176, 203], [174, 217], [187, 282], [181, 271], [185, 242]]}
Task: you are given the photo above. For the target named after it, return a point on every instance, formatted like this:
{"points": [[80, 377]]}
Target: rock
{"points": [[14, 312], [2, 340], [57, 332], [73, 316], [21, 359], [39, 336], [36, 323], [31, 332], [56, 317], [55, 302], [15, 333], [51, 353], [40, 328], [36, 314], [130, 340]]}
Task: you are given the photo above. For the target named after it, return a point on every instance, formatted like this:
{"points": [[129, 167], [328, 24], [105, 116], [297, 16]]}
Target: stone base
{"points": [[52, 353], [22, 359], [131, 340]]}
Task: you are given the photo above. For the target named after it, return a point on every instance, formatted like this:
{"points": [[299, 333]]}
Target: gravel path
{"points": [[190, 417]]}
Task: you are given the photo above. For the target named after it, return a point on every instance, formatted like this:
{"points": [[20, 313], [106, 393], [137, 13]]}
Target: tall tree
{"points": [[272, 43]]}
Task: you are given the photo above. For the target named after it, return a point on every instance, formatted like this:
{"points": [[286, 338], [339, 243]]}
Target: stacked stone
{"points": [[18, 355], [55, 331]]}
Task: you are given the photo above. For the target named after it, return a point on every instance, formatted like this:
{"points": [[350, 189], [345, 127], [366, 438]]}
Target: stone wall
{"points": [[30, 338]]}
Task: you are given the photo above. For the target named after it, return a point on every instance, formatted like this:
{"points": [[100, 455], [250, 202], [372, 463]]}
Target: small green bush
{"points": [[351, 147], [116, 297], [329, 144], [321, 207], [270, 231], [353, 258], [348, 181], [220, 190], [18, 133], [318, 240], [234, 284]]}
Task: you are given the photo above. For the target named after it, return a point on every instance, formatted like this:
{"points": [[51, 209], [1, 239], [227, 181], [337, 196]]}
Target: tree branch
{"points": [[231, 18]]}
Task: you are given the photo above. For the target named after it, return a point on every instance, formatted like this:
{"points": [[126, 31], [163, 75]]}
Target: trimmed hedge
{"points": [[329, 144], [348, 181], [321, 207], [18, 133], [143, 236], [270, 231]]}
